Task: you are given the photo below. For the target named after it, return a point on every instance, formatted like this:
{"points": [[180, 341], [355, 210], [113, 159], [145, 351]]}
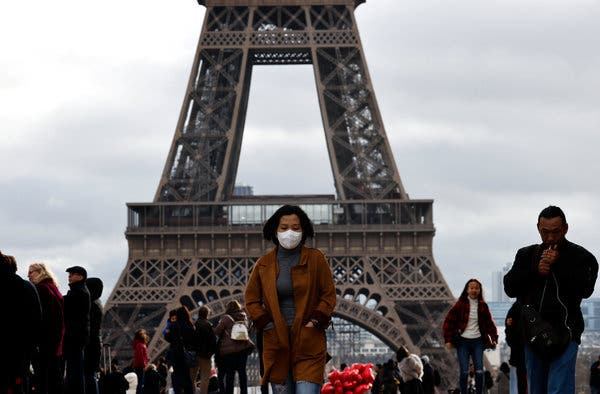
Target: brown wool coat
{"points": [[303, 349]]}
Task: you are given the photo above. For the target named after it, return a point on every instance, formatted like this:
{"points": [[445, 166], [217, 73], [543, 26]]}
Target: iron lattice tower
{"points": [[197, 242]]}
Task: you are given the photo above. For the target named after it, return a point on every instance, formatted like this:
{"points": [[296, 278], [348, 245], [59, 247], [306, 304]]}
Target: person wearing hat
{"points": [[77, 329]]}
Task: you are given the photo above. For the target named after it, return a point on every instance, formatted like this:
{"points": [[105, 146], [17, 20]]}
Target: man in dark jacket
{"points": [[77, 329], [431, 376], [514, 339], [93, 349], [205, 344], [553, 277], [22, 317]]}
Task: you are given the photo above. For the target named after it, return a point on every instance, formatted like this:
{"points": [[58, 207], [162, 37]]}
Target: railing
{"points": [[253, 212]]}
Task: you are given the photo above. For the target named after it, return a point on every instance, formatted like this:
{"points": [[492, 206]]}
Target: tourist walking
{"points": [[153, 381], [431, 377], [514, 338], [93, 350], [180, 335], [205, 345], [470, 329], [410, 368], [20, 329], [553, 277], [290, 297], [140, 357], [77, 329], [46, 366], [233, 353]]}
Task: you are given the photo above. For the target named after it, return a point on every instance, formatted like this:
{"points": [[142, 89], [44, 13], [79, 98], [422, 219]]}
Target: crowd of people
{"points": [[52, 340], [289, 300]]}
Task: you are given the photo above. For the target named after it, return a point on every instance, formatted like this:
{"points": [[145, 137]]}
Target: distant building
{"points": [[499, 311], [591, 314], [243, 190], [498, 294]]}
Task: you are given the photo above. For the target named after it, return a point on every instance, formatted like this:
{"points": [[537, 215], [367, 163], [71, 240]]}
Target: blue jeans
{"points": [[300, 387], [470, 348], [552, 377]]}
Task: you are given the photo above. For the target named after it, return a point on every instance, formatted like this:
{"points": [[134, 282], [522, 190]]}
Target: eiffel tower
{"points": [[197, 242]]}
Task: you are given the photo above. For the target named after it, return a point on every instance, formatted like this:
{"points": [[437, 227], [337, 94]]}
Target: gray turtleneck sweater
{"points": [[287, 258]]}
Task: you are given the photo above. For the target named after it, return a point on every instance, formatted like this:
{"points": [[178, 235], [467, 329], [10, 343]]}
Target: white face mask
{"points": [[289, 239]]}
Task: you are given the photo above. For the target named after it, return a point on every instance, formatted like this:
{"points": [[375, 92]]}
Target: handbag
{"points": [[239, 331], [189, 357], [546, 340]]}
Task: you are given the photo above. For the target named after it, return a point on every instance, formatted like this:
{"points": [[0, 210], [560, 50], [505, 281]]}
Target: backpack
{"points": [[239, 331]]}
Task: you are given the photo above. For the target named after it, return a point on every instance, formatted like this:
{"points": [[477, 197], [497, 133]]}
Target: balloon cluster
{"points": [[355, 379]]}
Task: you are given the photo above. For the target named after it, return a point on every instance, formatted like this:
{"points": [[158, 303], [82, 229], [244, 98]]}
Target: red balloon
{"points": [[327, 388]]}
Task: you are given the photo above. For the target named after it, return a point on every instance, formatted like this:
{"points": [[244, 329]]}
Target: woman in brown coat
{"points": [[290, 297]]}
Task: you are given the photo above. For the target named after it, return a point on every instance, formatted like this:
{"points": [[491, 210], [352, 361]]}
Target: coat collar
{"points": [[271, 257]]}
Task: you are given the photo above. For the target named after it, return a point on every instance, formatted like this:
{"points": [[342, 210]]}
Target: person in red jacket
{"points": [[140, 356], [470, 329]]}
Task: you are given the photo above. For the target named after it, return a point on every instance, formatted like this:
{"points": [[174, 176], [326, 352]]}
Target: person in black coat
{"points": [[205, 345], [93, 349], [77, 329], [514, 339], [431, 376], [153, 381], [179, 333], [19, 331], [553, 277]]}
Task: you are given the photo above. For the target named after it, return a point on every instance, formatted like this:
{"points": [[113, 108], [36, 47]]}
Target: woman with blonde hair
{"points": [[47, 366]]}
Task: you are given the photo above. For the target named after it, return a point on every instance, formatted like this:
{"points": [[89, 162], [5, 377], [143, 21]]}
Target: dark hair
{"points": [[204, 311], [232, 307], [8, 263], [464, 295], [402, 353], [270, 227], [552, 212], [183, 315]]}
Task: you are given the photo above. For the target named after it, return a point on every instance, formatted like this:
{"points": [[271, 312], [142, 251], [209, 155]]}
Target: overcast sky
{"points": [[491, 109]]}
